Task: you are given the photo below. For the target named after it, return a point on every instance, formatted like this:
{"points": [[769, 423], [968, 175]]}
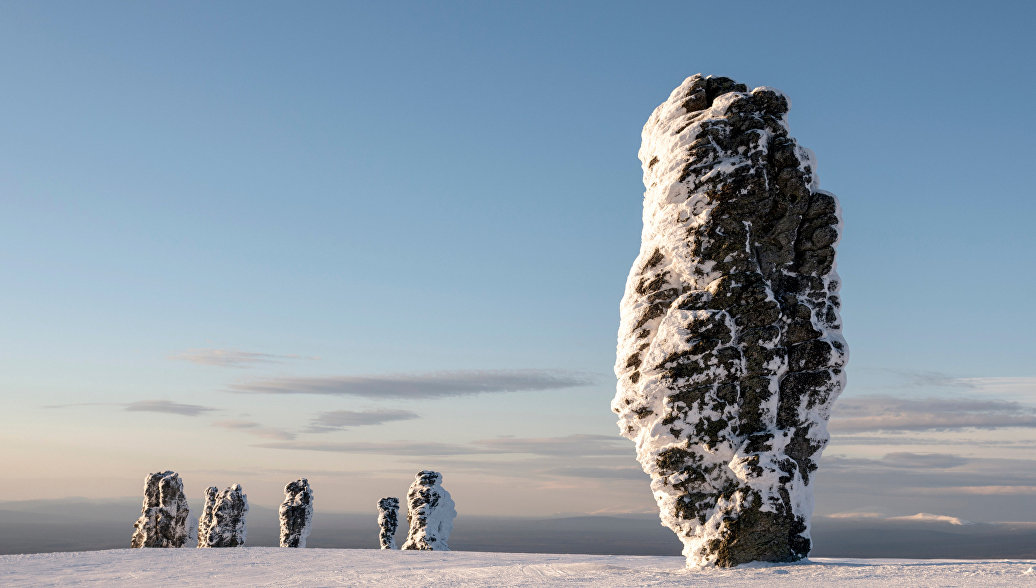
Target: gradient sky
{"points": [[421, 216]]}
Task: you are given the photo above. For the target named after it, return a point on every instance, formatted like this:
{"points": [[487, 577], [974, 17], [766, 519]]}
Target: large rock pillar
{"points": [[296, 513], [388, 522], [163, 517], [730, 351], [222, 523], [430, 514]]}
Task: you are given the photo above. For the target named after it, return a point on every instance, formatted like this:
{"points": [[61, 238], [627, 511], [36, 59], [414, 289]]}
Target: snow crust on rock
{"points": [[430, 513], [163, 517], [222, 523], [296, 513], [388, 521], [730, 351]]}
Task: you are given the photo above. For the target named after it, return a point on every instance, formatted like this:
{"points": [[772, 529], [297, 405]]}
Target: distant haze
{"points": [[79, 525]]}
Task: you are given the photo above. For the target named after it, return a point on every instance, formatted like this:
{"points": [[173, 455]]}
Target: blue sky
{"points": [[396, 190]]}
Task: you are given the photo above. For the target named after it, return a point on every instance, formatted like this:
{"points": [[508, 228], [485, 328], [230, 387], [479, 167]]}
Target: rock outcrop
{"points": [[730, 351], [388, 522], [222, 523], [163, 517], [296, 513], [431, 513]]}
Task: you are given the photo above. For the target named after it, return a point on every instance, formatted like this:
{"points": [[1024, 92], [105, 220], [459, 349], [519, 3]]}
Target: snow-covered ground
{"points": [[271, 566]]}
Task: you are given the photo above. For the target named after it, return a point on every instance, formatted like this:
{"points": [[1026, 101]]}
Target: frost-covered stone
{"points": [[296, 513], [163, 517], [388, 521], [730, 351], [222, 523], [431, 513]]}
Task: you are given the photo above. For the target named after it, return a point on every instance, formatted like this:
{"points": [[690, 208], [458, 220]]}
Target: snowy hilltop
{"points": [[253, 566]]}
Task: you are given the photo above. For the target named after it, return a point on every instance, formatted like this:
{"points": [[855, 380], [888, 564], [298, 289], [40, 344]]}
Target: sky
{"points": [[252, 241]]}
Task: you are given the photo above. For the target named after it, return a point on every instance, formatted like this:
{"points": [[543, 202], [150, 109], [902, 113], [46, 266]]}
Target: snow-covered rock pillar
{"points": [[431, 513], [296, 513], [163, 517], [222, 523], [388, 522], [730, 351]]}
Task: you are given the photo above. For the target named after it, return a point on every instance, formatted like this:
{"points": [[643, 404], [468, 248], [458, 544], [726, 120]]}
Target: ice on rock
{"points": [[163, 517], [222, 523], [730, 351], [431, 513], [296, 513], [388, 521]]}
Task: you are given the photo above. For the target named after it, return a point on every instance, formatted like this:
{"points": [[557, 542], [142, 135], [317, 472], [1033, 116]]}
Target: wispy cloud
{"points": [[603, 473], [344, 419], [900, 459], [570, 446], [232, 357], [254, 428], [419, 386], [163, 406], [924, 517], [167, 406], [928, 378], [890, 413], [406, 448]]}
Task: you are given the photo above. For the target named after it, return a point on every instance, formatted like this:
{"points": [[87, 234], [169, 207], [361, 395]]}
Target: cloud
{"points": [[231, 357], [919, 517], [890, 413], [603, 473], [166, 406], [254, 428], [924, 460], [1019, 490], [163, 406], [569, 446], [928, 517], [923, 378], [405, 448], [342, 419], [898, 460], [419, 386]]}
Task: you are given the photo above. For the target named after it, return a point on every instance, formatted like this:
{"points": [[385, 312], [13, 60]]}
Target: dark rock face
{"points": [[163, 518], [431, 513], [730, 350], [388, 521], [296, 513], [222, 523]]}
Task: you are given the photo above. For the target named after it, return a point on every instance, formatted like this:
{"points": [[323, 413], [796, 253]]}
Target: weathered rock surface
{"points": [[222, 523], [431, 513], [296, 513], [730, 351], [388, 521], [163, 517]]}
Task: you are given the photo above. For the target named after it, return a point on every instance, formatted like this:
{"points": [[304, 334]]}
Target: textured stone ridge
{"points": [[730, 351], [163, 517], [296, 513], [431, 513], [388, 521], [222, 523]]}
